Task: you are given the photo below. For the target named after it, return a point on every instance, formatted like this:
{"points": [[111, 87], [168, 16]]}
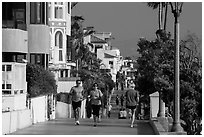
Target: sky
{"points": [[129, 21]]}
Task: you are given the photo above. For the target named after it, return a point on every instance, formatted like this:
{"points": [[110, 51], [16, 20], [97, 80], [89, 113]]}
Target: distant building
{"points": [[98, 40], [111, 61], [100, 44], [128, 70]]}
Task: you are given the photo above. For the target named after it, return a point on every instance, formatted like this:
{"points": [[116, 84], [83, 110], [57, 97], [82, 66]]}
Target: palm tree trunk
{"points": [[165, 18], [160, 15]]}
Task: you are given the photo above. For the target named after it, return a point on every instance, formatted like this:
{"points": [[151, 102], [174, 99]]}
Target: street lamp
{"points": [[176, 8]]}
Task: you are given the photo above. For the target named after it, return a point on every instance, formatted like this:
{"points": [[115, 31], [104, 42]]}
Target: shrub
{"points": [[39, 81]]}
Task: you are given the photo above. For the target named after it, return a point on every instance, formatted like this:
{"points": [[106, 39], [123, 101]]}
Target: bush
{"points": [[40, 81]]}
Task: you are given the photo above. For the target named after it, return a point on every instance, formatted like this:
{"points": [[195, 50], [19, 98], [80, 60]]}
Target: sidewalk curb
{"points": [[157, 127], [159, 130]]}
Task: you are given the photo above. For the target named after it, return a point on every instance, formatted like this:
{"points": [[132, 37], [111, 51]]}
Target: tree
{"points": [[157, 74], [161, 20], [40, 81]]}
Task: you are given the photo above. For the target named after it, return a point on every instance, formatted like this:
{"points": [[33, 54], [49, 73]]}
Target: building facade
{"points": [[59, 21], [25, 25]]}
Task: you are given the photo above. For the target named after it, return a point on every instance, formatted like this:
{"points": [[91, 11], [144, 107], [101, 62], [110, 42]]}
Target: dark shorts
{"points": [[131, 107], [76, 104], [96, 109]]}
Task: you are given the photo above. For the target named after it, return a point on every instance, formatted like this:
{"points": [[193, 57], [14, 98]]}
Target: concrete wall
{"points": [[14, 102], [154, 104], [39, 104], [14, 120], [65, 86], [39, 38], [18, 119]]}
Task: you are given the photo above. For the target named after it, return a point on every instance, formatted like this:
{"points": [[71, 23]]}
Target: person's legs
{"points": [[76, 108], [133, 117], [96, 109], [77, 114]]}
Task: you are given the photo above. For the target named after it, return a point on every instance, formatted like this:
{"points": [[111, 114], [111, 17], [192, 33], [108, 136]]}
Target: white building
{"points": [[128, 70], [99, 43], [59, 19], [111, 60], [98, 40]]}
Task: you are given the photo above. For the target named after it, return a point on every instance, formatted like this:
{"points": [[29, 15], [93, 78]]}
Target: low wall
{"points": [[39, 104], [14, 120], [37, 112]]}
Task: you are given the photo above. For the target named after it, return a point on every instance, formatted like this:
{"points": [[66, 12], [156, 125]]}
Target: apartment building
{"points": [[37, 33], [25, 38], [25, 33]]}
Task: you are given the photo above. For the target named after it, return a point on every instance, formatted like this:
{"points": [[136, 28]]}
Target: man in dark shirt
{"points": [[132, 99]]}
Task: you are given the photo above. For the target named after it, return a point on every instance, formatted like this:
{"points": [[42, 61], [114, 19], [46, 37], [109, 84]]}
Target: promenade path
{"points": [[107, 126]]}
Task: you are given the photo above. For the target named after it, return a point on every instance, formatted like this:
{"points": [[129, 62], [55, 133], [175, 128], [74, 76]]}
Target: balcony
{"points": [[14, 40]]}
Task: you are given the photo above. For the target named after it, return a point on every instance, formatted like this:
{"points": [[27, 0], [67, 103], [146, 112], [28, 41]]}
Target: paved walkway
{"points": [[112, 126], [105, 127]]}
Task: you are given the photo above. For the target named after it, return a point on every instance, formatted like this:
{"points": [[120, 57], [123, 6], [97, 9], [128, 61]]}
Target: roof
{"points": [[106, 55], [95, 39]]}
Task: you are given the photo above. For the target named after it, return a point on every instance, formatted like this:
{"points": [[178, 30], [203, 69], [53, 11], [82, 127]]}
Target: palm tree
{"points": [[162, 16], [161, 35]]}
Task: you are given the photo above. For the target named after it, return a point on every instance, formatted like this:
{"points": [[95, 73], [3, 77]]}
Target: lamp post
{"points": [[176, 10]]}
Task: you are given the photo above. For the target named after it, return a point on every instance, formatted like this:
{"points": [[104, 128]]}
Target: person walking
{"points": [[109, 110], [121, 100], [96, 96], [132, 99], [117, 100], [76, 94]]}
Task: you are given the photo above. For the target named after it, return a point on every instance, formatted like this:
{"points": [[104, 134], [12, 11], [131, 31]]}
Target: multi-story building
{"points": [[59, 21], [25, 38], [38, 33], [25, 25]]}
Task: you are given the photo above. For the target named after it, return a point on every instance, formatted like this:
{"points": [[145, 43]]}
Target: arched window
{"points": [[58, 39], [59, 43]]}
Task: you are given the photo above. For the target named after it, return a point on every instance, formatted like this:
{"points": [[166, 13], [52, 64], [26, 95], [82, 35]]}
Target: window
{"points": [[8, 67], [60, 55], [37, 13], [58, 39], [59, 10], [68, 7], [111, 64], [39, 59]]}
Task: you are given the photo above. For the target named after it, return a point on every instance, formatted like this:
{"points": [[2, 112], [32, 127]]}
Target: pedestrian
{"points": [[132, 99], [76, 93], [96, 96], [117, 100], [122, 100], [109, 110]]}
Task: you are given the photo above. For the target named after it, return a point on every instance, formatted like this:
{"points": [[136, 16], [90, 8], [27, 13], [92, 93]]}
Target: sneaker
{"points": [[77, 123], [131, 126], [94, 125]]}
